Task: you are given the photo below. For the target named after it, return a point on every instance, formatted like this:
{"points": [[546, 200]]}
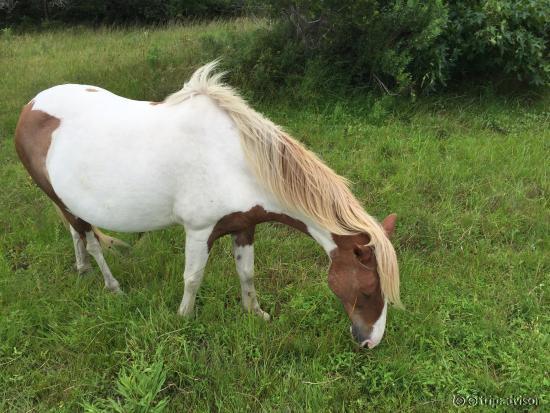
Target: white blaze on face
{"points": [[377, 329]]}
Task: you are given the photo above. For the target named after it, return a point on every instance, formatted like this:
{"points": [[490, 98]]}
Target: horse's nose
{"points": [[360, 336]]}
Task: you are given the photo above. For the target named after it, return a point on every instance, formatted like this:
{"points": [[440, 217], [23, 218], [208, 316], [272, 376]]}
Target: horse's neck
{"points": [[323, 238], [309, 227]]}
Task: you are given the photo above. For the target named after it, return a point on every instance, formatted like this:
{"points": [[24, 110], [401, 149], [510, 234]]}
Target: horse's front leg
{"points": [[243, 250], [196, 255]]}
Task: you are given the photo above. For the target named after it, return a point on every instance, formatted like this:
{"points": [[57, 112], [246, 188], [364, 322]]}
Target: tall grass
{"points": [[466, 174]]}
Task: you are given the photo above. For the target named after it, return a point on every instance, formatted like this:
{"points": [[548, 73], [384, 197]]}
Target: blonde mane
{"points": [[298, 178]]}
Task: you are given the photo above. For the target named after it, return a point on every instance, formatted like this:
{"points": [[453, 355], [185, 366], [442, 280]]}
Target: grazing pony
{"points": [[204, 159]]}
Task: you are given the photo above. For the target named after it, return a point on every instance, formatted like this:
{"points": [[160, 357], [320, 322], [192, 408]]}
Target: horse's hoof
{"points": [[84, 269], [184, 313], [261, 313], [115, 289], [186, 316]]}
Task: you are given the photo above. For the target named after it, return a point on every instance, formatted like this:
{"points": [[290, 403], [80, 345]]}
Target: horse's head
{"points": [[353, 277]]}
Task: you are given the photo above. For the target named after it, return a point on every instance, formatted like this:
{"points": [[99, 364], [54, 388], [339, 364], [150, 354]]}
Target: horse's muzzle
{"points": [[362, 337]]}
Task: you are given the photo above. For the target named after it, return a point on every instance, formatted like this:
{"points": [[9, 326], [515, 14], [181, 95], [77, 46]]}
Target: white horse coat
{"points": [[131, 166]]}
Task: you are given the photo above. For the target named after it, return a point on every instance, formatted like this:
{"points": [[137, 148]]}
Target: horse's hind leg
{"points": [[82, 257], [94, 249], [243, 250], [86, 242]]}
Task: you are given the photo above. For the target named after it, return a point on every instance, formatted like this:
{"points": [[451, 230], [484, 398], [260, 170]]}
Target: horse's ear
{"points": [[389, 224]]}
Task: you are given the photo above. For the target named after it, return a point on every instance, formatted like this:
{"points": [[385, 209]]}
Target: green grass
{"points": [[467, 175]]}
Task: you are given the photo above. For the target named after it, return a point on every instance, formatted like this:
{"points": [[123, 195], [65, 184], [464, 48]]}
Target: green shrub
{"points": [[393, 44], [33, 13], [500, 36], [397, 46]]}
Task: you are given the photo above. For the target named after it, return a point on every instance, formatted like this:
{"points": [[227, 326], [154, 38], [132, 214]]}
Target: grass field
{"points": [[466, 173]]}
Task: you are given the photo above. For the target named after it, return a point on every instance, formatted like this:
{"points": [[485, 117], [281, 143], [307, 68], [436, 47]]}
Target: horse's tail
{"points": [[106, 241]]}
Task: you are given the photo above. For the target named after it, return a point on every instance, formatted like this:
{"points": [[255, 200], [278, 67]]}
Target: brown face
{"points": [[353, 277]]}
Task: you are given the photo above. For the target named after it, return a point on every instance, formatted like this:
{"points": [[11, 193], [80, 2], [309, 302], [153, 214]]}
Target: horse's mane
{"points": [[297, 177]]}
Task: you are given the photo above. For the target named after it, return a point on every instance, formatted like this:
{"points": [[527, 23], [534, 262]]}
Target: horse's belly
{"points": [[114, 206], [109, 188]]}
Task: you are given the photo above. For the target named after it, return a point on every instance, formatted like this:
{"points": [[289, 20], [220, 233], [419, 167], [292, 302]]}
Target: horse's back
{"points": [[133, 166]]}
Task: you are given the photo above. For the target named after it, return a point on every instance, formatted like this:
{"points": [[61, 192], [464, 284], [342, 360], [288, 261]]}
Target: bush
{"points": [[30, 13], [398, 46], [394, 44], [500, 36]]}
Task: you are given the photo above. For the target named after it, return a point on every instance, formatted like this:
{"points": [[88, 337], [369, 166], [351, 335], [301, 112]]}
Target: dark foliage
{"points": [[402, 46], [27, 13], [500, 36]]}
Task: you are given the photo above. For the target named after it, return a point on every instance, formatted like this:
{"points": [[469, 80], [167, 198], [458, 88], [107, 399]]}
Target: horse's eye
{"points": [[367, 296]]}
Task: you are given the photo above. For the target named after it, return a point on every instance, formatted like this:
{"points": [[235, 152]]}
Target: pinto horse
{"points": [[204, 159]]}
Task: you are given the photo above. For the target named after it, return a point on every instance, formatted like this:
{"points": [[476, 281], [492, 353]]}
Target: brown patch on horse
{"points": [[242, 224], [353, 277], [244, 237], [91, 89], [33, 137]]}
